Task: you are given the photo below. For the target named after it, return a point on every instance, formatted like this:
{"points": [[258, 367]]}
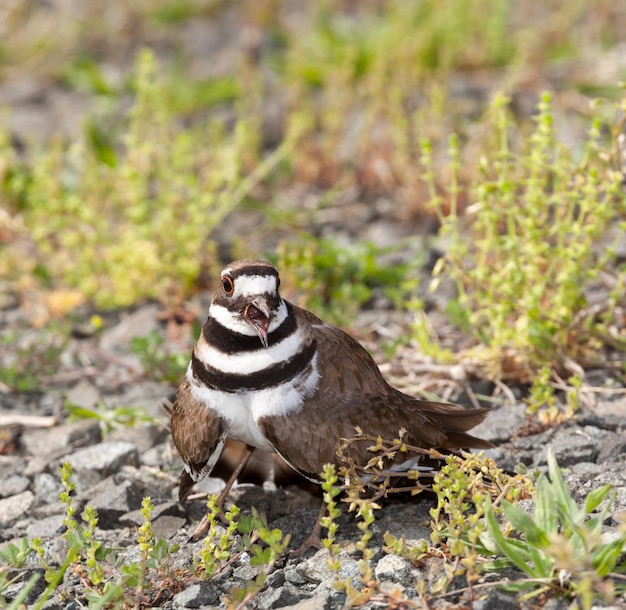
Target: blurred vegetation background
{"points": [[462, 158]]}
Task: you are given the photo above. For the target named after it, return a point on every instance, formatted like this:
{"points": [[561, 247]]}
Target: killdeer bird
{"points": [[275, 377]]}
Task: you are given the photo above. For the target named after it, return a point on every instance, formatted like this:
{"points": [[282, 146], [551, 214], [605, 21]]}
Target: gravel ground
{"points": [[113, 472]]}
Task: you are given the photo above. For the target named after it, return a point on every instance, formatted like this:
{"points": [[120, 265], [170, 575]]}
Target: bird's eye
{"points": [[228, 284], [277, 282]]}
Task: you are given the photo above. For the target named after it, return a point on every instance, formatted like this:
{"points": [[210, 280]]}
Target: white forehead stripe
{"points": [[251, 285]]}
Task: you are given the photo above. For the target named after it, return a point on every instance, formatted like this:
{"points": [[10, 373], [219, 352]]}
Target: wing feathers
{"points": [[309, 438], [199, 435]]}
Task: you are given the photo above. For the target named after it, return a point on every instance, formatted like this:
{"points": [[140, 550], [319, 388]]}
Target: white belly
{"points": [[243, 409], [238, 410]]}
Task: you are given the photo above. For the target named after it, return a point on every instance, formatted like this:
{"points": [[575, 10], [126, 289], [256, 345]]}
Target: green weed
{"points": [[118, 417], [335, 281], [265, 547], [31, 363], [16, 554], [329, 522], [560, 547], [136, 225], [157, 361], [525, 251], [464, 490], [217, 546], [108, 580], [477, 523]]}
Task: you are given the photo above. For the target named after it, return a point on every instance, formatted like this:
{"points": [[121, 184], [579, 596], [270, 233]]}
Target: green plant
{"points": [[135, 225], [33, 362], [385, 53], [108, 579], [560, 547], [329, 521], [464, 488], [19, 601], [84, 550], [415, 553], [274, 544], [158, 363], [16, 555], [545, 402], [415, 38], [532, 225], [118, 417], [336, 281], [153, 574], [367, 587], [248, 534], [217, 546], [369, 584], [476, 523]]}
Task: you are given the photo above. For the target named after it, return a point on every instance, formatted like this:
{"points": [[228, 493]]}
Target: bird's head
{"points": [[248, 297]]}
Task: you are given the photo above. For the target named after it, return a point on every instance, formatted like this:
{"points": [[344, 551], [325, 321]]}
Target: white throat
{"points": [[238, 324]]}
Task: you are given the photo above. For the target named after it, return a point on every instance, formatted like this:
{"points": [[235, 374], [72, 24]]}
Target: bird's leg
{"points": [[314, 540], [203, 526]]}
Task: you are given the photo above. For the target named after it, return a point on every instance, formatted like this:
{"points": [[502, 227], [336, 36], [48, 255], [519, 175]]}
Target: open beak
{"points": [[259, 315]]}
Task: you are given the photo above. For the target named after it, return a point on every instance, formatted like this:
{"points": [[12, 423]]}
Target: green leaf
{"points": [[495, 565], [596, 497], [508, 547], [602, 515], [542, 561], [604, 561], [545, 513], [485, 544], [524, 523], [77, 412], [112, 591], [521, 585], [562, 496]]}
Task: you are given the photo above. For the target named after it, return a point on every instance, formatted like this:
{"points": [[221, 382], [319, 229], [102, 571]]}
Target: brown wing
{"points": [[352, 392], [199, 435], [344, 364], [309, 438]]}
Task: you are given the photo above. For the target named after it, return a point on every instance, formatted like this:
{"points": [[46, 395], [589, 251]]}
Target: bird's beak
{"points": [[259, 314]]}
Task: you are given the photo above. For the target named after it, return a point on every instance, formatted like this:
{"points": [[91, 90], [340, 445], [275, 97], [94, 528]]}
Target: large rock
{"points": [[84, 394], [15, 507], [198, 595], [62, 439], [105, 458], [113, 500], [13, 484], [392, 568]]}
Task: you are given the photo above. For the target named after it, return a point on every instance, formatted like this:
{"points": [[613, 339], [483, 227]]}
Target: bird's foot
{"points": [[200, 531], [314, 540], [204, 525]]}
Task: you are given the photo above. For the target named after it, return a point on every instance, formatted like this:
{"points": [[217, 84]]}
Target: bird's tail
{"points": [[456, 421]]}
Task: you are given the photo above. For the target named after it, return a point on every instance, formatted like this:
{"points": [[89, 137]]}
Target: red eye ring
{"points": [[228, 286]]}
